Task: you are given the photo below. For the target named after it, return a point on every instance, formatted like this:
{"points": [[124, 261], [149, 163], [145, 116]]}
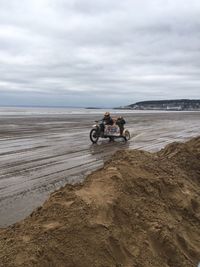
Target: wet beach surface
{"points": [[41, 151]]}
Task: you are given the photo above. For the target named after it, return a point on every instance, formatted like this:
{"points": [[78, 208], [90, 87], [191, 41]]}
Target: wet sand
{"points": [[40, 152]]}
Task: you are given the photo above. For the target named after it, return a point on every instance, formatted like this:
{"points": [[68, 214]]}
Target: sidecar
{"points": [[111, 131]]}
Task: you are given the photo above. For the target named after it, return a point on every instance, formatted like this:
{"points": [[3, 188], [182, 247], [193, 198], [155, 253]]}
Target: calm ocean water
{"points": [[37, 111]]}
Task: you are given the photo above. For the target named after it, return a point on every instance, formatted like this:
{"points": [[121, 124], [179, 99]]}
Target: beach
{"points": [[42, 149]]}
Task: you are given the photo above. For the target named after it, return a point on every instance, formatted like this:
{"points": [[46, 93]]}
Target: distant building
{"points": [[174, 108]]}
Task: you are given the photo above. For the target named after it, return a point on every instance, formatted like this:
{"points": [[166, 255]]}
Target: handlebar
{"points": [[100, 121]]}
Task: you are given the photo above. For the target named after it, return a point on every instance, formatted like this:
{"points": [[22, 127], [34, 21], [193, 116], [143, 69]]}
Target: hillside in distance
{"points": [[176, 104]]}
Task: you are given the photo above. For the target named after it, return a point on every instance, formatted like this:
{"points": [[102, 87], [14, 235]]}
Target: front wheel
{"points": [[127, 135], [94, 136]]}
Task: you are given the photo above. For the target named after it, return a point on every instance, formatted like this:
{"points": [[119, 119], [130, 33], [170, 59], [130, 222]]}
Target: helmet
{"points": [[107, 114]]}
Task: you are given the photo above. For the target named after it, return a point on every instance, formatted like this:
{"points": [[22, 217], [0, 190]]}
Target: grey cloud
{"points": [[99, 50]]}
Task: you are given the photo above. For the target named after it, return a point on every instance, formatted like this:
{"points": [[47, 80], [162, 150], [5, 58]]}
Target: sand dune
{"points": [[141, 209]]}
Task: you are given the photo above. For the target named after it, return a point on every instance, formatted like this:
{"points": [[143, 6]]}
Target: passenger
{"points": [[120, 122]]}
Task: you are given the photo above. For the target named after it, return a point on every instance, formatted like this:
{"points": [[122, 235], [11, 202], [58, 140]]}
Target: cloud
{"points": [[85, 52]]}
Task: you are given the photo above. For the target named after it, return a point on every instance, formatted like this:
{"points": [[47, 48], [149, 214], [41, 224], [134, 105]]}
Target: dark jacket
{"points": [[120, 122], [107, 120]]}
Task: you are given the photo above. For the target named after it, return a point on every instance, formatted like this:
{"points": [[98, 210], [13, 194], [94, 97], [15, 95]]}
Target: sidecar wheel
{"points": [[111, 139], [94, 136], [127, 135]]}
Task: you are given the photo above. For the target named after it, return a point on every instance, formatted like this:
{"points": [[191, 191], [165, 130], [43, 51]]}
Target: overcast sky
{"points": [[98, 52]]}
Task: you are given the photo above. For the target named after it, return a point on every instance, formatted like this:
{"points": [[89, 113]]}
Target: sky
{"points": [[103, 53]]}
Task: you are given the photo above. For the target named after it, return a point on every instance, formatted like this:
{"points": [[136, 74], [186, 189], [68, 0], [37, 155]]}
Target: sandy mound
{"points": [[140, 210]]}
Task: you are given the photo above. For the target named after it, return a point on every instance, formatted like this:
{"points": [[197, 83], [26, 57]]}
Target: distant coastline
{"points": [[93, 108], [156, 105], [173, 105]]}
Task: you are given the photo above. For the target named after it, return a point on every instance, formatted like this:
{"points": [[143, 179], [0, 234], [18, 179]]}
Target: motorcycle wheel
{"points": [[127, 135], [94, 136], [111, 139]]}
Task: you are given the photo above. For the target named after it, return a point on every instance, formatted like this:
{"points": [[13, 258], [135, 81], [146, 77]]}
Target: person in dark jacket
{"points": [[120, 122], [107, 120]]}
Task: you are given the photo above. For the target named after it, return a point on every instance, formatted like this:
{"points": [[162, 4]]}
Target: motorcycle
{"points": [[110, 131]]}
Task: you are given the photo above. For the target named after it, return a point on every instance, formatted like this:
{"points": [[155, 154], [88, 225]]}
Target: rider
{"points": [[107, 120], [120, 122]]}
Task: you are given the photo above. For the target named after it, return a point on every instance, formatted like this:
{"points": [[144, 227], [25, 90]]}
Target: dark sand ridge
{"points": [[40, 153], [141, 209]]}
